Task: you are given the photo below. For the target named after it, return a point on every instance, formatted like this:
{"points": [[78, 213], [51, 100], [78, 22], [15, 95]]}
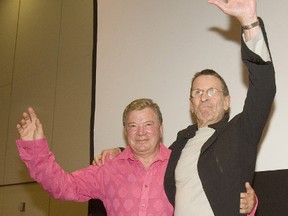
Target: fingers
{"points": [[39, 134], [244, 208], [19, 128], [30, 127], [218, 3], [249, 188], [106, 153], [247, 200], [32, 114], [28, 117], [23, 124], [243, 204], [98, 161]]}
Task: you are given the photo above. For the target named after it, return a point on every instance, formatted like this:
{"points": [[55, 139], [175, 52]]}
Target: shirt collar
{"points": [[218, 125], [191, 130]]}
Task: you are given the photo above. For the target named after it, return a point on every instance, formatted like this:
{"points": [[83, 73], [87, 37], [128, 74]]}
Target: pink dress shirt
{"points": [[123, 184]]}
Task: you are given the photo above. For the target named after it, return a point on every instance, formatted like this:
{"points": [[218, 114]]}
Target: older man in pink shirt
{"points": [[130, 184]]}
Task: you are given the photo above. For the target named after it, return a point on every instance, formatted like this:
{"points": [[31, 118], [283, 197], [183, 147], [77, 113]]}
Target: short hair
{"points": [[140, 104], [210, 72]]}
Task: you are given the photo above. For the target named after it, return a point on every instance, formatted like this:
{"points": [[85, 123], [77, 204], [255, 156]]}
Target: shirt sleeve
{"points": [[80, 185], [258, 46]]}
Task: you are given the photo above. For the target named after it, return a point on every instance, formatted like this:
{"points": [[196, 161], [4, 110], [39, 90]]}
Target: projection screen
{"points": [[153, 48]]}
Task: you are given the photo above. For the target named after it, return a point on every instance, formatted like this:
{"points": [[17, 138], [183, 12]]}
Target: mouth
{"points": [[141, 140], [205, 107]]}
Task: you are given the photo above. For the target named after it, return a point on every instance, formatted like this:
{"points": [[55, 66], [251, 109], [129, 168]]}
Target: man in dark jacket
{"points": [[212, 159]]}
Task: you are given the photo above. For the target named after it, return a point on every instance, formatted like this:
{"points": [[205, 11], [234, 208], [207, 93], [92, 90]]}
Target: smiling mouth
{"points": [[141, 140]]}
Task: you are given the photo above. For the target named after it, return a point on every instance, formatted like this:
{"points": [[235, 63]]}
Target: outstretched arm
{"points": [[81, 185], [244, 11], [30, 127]]}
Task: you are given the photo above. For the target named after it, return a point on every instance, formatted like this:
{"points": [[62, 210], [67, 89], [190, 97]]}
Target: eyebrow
{"points": [[149, 121]]}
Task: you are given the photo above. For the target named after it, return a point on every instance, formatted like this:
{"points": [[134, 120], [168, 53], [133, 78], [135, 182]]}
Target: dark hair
{"points": [[211, 73], [140, 104]]}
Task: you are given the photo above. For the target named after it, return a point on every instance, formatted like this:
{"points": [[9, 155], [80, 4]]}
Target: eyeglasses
{"points": [[210, 92]]}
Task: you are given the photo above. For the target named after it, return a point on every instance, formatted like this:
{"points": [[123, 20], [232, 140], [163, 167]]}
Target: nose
{"points": [[204, 96], [141, 130]]}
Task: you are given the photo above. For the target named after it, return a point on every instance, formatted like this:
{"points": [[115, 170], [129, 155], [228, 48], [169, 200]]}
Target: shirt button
{"points": [[143, 205]]}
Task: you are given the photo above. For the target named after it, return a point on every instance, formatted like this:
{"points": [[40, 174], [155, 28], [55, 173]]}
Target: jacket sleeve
{"points": [[261, 90], [257, 107]]}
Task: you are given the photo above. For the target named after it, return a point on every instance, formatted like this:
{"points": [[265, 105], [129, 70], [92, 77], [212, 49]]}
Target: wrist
{"points": [[251, 25]]}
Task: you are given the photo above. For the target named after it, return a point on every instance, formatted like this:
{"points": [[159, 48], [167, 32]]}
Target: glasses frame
{"points": [[211, 92]]}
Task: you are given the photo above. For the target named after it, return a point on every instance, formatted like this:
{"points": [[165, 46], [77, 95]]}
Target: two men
{"points": [[223, 153], [213, 159], [130, 184]]}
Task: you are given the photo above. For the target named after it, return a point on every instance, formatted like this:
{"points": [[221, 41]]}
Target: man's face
{"points": [[209, 110], [143, 132]]}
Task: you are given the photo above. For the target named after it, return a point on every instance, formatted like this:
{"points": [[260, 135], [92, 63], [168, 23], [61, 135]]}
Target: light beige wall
{"points": [[46, 63]]}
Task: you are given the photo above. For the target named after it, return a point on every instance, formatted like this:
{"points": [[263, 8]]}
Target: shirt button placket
{"points": [[145, 194]]}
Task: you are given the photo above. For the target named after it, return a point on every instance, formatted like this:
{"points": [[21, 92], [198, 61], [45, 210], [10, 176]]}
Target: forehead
{"points": [[146, 114], [206, 81]]}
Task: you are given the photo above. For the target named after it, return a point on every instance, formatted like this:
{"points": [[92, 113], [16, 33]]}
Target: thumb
{"points": [[39, 134]]}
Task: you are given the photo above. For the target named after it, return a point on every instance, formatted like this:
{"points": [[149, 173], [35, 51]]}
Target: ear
{"points": [[161, 131], [227, 102], [191, 105], [125, 131]]}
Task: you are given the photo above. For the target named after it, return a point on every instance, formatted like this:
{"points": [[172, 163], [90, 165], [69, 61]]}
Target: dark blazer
{"points": [[227, 160]]}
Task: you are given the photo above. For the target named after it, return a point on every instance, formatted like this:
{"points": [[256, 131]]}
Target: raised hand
{"points": [[243, 10], [30, 127]]}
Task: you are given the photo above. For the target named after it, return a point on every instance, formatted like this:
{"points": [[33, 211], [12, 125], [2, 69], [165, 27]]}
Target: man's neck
{"points": [[148, 159]]}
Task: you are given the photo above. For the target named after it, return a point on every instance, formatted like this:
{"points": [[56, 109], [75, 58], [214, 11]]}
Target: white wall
{"points": [[153, 48]]}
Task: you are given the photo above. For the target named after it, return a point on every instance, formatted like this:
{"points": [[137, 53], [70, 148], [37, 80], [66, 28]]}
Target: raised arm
{"points": [[81, 185]]}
